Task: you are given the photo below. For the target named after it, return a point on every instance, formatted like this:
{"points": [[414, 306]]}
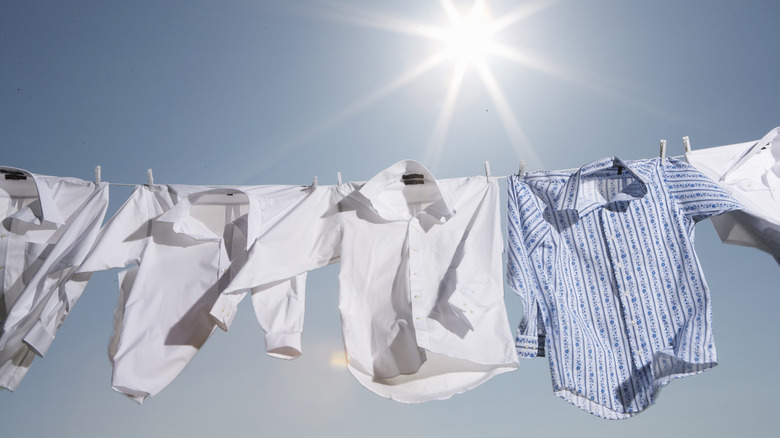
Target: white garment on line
{"points": [[751, 173], [188, 241], [421, 282], [49, 225]]}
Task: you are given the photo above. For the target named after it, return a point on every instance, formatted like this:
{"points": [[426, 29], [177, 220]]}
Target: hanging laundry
{"points": [[751, 173], [613, 292], [421, 284], [49, 225], [187, 243]]}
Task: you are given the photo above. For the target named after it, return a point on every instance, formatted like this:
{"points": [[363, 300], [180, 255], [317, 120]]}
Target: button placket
{"points": [[4, 242], [223, 274], [631, 323], [415, 276]]}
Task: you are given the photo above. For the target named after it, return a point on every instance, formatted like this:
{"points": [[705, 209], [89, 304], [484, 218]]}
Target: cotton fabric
{"points": [[613, 293], [49, 225], [184, 244], [421, 286], [751, 173]]}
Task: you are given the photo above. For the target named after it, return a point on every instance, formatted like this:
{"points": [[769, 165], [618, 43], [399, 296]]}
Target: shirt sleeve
{"points": [[698, 196], [525, 230], [123, 238], [55, 288], [279, 308], [33, 319], [303, 237]]}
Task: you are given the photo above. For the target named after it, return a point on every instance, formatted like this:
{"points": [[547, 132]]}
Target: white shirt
{"points": [[188, 241], [751, 173], [421, 284], [49, 225]]}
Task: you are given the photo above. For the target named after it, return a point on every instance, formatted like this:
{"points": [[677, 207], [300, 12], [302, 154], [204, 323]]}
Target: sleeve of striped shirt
{"points": [[524, 222], [698, 196]]}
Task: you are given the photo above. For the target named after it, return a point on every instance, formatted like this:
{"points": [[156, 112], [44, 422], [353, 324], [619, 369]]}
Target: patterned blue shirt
{"points": [[613, 292]]}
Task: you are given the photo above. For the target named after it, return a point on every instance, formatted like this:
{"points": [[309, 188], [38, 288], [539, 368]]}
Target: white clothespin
{"points": [[687, 144], [97, 175], [338, 177], [663, 149], [487, 169], [314, 182], [150, 176], [521, 171]]}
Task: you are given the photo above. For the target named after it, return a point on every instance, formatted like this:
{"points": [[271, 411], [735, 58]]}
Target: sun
{"points": [[469, 38]]}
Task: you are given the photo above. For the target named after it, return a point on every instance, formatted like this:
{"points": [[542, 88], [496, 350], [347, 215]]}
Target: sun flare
{"points": [[469, 38]]}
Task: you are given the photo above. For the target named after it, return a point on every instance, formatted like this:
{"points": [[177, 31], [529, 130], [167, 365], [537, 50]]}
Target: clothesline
{"points": [[521, 171], [487, 173]]}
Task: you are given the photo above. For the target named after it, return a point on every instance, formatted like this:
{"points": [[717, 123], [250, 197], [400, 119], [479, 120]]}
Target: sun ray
{"points": [[363, 18], [518, 14], [436, 144], [451, 11], [580, 79], [517, 137], [350, 111]]}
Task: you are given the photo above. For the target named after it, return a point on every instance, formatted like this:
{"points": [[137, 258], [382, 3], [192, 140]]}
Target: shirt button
{"points": [[417, 296], [1, 267], [414, 273], [224, 271], [418, 318], [2, 236]]}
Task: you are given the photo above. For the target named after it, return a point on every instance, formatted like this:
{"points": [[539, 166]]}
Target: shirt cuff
{"points": [[39, 339], [464, 304], [224, 310], [283, 345], [529, 346]]}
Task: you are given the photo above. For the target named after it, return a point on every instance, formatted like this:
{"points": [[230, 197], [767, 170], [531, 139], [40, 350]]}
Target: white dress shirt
{"points": [[188, 241], [751, 173], [421, 285], [49, 225]]}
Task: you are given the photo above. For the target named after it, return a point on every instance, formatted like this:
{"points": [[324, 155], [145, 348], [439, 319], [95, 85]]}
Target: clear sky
{"points": [[252, 92]]}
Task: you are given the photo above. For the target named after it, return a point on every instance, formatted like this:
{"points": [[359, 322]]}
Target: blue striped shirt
{"points": [[613, 292]]}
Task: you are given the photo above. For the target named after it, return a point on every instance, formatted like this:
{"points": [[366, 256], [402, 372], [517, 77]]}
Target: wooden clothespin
{"points": [[150, 176], [97, 175]]}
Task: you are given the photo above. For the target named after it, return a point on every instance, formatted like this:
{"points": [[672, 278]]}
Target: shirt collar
{"points": [[441, 207], [770, 141], [42, 209], [575, 198], [184, 223]]}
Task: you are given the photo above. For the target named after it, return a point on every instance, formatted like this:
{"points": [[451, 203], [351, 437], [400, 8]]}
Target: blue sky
{"points": [[250, 92]]}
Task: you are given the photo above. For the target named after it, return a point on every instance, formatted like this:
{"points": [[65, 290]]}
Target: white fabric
{"points": [[421, 284], [751, 173], [49, 225], [188, 241]]}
